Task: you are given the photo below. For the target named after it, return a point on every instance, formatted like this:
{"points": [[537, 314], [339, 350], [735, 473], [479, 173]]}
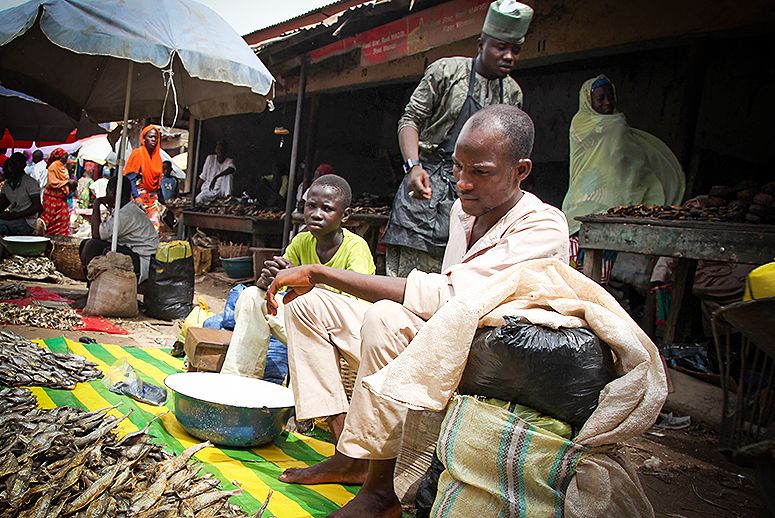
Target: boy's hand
{"points": [[269, 272], [298, 280]]}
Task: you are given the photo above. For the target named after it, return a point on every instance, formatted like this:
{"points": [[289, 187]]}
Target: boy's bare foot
{"points": [[339, 469]]}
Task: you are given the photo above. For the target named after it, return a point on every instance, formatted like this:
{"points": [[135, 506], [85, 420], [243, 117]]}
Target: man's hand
{"points": [[298, 280], [419, 184], [269, 272]]}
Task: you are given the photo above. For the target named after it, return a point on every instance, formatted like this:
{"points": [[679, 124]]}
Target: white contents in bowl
{"points": [[231, 390]]}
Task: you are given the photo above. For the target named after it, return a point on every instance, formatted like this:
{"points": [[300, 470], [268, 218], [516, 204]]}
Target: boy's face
{"points": [[324, 211]]}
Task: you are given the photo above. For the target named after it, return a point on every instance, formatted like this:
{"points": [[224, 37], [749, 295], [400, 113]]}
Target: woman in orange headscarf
{"points": [[56, 213], [144, 170]]}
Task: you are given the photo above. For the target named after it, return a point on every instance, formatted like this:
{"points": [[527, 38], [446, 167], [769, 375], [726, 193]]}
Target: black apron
{"points": [[424, 224]]}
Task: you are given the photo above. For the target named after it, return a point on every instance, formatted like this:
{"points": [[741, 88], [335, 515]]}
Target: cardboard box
{"points": [[206, 348]]}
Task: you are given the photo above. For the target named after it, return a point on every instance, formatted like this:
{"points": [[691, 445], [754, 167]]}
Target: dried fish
{"points": [[13, 291], [66, 461], [29, 268], [24, 363], [39, 316]]}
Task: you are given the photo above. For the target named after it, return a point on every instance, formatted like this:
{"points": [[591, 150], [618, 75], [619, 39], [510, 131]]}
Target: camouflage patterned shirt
{"points": [[437, 100]]}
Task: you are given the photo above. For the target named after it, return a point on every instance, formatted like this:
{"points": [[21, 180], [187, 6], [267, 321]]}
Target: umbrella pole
{"points": [[290, 194], [121, 152]]}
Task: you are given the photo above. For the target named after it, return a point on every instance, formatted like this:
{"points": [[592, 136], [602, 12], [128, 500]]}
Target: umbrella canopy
{"points": [[28, 119], [73, 55]]}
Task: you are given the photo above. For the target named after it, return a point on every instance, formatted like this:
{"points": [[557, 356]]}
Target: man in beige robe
{"points": [[493, 225]]}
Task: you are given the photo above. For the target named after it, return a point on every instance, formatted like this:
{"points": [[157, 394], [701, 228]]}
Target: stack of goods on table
{"points": [[746, 202], [29, 268], [368, 203], [64, 461], [234, 206], [180, 202]]}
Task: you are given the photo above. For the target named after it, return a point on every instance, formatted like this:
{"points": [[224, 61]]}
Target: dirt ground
{"points": [[682, 471]]}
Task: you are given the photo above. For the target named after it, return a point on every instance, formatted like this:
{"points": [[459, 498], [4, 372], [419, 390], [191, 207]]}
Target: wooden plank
{"points": [[218, 221], [678, 325], [680, 223], [734, 246]]}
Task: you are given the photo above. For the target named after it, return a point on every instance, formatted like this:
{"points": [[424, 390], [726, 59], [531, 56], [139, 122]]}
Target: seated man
{"points": [[325, 243], [493, 225], [137, 237], [19, 199], [217, 175]]}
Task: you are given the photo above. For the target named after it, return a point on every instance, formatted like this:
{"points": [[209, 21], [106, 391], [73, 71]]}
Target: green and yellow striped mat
{"points": [[255, 470]]}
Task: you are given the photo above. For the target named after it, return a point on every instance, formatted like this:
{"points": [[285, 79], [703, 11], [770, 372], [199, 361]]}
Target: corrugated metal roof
{"points": [[323, 7]]}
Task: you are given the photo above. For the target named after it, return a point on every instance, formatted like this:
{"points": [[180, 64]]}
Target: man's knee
{"points": [[383, 315]]}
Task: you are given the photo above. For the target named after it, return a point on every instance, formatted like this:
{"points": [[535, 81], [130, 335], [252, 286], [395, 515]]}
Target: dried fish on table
{"points": [[29, 267], [64, 461], [23, 363], [16, 400], [39, 316], [13, 291]]}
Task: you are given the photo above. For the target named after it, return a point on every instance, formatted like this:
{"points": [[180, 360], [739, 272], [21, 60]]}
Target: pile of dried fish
{"points": [[234, 206], [179, 202], [39, 316], [67, 462], [746, 202], [25, 363], [16, 400], [13, 291], [29, 267]]}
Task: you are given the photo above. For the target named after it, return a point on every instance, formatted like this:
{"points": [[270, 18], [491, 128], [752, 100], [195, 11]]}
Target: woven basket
{"points": [[230, 250], [67, 258]]}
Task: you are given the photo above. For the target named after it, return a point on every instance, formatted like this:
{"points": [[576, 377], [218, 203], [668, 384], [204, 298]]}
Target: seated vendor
{"points": [[19, 199], [137, 236], [217, 175], [325, 243], [493, 225]]}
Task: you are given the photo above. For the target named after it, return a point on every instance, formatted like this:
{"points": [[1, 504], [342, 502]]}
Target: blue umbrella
{"points": [[120, 59]]}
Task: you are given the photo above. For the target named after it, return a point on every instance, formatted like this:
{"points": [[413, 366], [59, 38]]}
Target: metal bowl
{"points": [[230, 410], [26, 245]]}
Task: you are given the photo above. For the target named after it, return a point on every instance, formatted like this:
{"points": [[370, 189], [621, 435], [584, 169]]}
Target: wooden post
{"points": [[289, 196], [679, 319], [593, 264]]}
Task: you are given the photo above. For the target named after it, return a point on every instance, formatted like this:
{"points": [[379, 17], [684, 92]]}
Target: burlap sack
{"points": [[113, 289]]}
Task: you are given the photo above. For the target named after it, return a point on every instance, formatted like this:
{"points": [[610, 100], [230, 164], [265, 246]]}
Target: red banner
{"points": [[434, 27]]}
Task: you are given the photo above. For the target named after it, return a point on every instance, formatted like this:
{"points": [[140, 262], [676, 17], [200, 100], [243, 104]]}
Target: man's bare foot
{"points": [[339, 469], [370, 503]]}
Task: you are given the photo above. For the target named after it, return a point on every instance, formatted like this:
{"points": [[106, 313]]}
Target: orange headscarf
{"points": [[58, 175], [149, 165]]}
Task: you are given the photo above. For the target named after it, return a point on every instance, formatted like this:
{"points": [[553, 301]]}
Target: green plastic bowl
{"points": [[26, 245], [238, 267]]}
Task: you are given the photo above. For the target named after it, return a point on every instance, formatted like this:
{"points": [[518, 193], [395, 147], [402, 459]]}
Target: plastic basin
{"points": [[238, 267], [26, 245]]}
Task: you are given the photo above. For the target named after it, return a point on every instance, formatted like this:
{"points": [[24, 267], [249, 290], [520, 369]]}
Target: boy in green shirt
{"points": [[323, 242]]}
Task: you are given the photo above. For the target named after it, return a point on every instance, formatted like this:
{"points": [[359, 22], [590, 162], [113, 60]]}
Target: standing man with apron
{"points": [[451, 90]]}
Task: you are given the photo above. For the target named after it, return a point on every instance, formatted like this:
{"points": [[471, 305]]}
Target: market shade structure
{"points": [[73, 55], [113, 60], [28, 119]]}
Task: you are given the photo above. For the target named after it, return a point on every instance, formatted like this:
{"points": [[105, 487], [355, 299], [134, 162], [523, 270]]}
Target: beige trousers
{"points": [[249, 343], [323, 325]]}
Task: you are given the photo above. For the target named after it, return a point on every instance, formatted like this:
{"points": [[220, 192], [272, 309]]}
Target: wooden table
{"points": [[258, 229], [688, 241]]}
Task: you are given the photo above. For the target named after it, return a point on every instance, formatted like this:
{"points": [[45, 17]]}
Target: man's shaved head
{"points": [[513, 124]]}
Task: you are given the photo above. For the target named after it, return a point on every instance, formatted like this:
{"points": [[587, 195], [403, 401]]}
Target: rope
{"points": [[169, 82]]}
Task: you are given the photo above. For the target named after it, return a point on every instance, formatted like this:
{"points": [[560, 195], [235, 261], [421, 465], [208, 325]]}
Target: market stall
{"points": [[685, 239]]}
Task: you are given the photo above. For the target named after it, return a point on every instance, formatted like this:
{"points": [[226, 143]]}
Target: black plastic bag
{"points": [[170, 291], [559, 372], [426, 491]]}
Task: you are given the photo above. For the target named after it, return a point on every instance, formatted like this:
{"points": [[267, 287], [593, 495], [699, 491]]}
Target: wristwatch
{"points": [[411, 164]]}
